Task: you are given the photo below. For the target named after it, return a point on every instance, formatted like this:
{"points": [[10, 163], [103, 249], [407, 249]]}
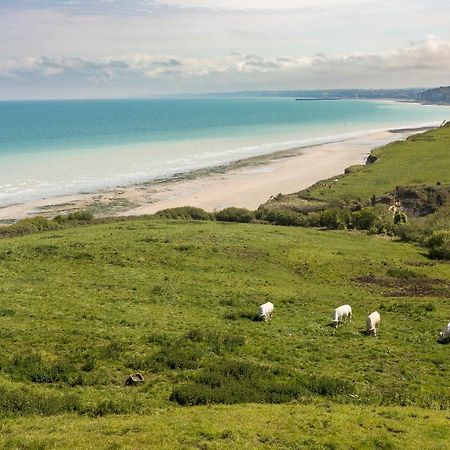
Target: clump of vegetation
{"points": [[232, 382], [364, 219], [401, 272], [31, 367], [282, 217], [335, 218], [40, 223], [414, 231], [439, 245], [28, 226], [400, 217], [232, 214], [25, 402], [185, 212], [80, 217]]}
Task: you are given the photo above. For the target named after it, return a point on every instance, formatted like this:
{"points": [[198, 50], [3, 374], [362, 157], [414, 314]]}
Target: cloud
{"points": [[261, 5], [416, 62]]}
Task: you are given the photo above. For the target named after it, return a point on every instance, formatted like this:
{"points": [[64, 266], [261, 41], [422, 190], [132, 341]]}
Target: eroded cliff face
{"points": [[439, 95]]}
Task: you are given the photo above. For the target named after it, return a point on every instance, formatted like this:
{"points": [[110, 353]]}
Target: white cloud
{"points": [[197, 45], [414, 65], [273, 5]]}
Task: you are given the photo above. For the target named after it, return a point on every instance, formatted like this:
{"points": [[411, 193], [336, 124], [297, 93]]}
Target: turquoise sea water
{"points": [[61, 147]]}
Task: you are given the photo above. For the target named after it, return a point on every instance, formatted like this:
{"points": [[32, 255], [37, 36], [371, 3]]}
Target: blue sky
{"points": [[112, 48]]}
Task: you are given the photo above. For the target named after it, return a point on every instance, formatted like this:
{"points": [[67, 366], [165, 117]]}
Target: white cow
{"points": [[444, 335], [373, 323], [341, 314], [266, 311]]}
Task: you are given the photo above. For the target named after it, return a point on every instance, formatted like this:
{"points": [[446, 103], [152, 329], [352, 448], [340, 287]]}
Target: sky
{"points": [[126, 48]]}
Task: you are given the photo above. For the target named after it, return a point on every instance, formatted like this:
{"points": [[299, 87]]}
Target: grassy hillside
{"points": [[422, 159], [82, 308], [403, 192]]}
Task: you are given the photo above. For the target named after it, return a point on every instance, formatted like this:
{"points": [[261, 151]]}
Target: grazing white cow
{"points": [[341, 314], [373, 323], [444, 335], [266, 311]]}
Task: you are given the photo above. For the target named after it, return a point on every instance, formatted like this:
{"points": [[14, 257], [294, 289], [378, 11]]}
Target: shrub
{"points": [[335, 218], [185, 212], [27, 226], [400, 217], [82, 216], [282, 217], [364, 219], [439, 244], [313, 219], [412, 232], [235, 215], [233, 382]]}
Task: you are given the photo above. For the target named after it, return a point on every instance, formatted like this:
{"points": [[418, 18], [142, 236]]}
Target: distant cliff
{"points": [[439, 95]]}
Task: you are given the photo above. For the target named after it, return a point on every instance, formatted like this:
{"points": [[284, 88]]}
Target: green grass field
{"points": [[82, 308]]}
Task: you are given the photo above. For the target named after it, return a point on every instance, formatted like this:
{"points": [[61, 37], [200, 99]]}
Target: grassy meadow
{"points": [[82, 308]]}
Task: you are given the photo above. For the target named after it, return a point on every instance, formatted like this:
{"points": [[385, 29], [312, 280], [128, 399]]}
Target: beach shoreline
{"points": [[245, 183]]}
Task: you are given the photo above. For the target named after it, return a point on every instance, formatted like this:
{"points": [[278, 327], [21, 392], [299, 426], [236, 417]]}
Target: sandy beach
{"points": [[246, 183]]}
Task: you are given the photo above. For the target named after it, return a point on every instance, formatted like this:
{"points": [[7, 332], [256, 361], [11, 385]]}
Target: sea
{"points": [[51, 148]]}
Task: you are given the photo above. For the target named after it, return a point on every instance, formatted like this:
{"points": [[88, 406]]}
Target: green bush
{"points": [[364, 219], [335, 218], [235, 215], [27, 226], [400, 217], [412, 232], [82, 216], [231, 382], [313, 219], [439, 244], [282, 217], [40, 223], [185, 212]]}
